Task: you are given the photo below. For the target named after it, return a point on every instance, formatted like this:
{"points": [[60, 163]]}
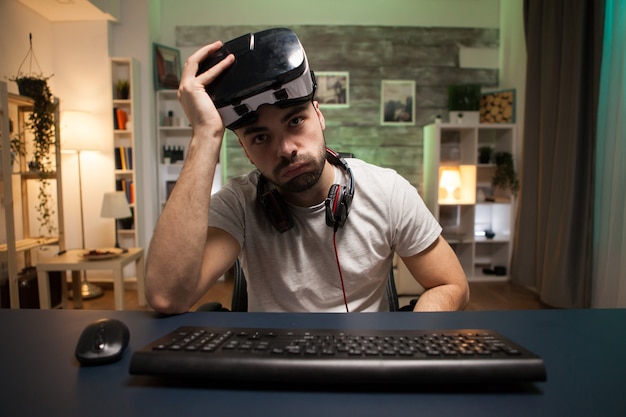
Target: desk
{"points": [[72, 261], [584, 353]]}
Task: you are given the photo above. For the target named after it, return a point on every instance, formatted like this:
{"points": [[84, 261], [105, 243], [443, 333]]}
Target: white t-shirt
{"points": [[297, 270]]}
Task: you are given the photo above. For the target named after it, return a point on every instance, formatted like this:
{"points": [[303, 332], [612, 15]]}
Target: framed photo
{"points": [[166, 67], [484, 192], [333, 89], [498, 107], [397, 102], [450, 218], [169, 187]]}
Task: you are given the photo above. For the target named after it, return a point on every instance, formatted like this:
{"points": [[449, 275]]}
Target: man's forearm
{"points": [[174, 259]]}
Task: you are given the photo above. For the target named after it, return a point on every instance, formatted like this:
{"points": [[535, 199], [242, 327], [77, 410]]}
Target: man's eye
{"points": [[296, 121], [259, 139]]}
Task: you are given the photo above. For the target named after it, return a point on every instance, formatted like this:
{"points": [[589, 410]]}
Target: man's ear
{"points": [[320, 116]]}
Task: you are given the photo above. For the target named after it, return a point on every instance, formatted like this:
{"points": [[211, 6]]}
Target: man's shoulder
{"points": [[251, 177], [370, 171], [239, 187], [243, 181]]}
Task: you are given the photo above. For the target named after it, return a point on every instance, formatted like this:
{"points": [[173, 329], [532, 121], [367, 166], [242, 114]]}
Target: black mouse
{"points": [[101, 342]]}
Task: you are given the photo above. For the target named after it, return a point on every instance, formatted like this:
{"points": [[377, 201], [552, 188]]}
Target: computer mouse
{"points": [[102, 342]]}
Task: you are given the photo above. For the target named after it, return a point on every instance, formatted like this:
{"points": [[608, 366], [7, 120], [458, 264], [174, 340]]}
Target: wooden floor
{"points": [[484, 296]]}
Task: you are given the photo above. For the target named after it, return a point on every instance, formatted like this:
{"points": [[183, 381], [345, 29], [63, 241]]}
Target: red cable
{"points": [[343, 287]]}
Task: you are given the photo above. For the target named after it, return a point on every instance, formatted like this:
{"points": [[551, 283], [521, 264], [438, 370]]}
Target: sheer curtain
{"points": [[609, 237], [553, 246]]}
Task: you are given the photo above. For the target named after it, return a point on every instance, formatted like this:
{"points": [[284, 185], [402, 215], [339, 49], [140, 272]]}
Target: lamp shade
{"points": [[115, 205], [77, 131], [457, 184], [450, 179]]}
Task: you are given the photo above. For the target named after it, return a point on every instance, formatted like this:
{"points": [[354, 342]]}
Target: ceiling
{"points": [[75, 10]]}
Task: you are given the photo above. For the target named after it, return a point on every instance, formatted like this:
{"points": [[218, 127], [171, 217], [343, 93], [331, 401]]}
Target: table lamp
{"points": [[450, 181], [115, 206]]}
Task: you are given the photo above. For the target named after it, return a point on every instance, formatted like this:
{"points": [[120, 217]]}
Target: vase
{"points": [[464, 117]]}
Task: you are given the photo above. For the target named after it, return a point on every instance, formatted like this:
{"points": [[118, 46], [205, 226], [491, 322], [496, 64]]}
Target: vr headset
{"points": [[270, 68]]}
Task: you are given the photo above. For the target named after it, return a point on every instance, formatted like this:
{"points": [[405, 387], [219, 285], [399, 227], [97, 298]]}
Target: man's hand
{"points": [[196, 103]]}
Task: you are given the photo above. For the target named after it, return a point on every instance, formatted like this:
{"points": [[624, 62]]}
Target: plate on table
{"points": [[101, 254]]}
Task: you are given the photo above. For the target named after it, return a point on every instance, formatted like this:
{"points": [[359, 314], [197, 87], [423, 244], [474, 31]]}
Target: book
{"points": [[122, 118], [118, 157]]}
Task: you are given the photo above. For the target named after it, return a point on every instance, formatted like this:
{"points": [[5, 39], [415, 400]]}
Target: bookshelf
{"points": [[125, 117], [22, 236], [477, 219], [173, 136]]}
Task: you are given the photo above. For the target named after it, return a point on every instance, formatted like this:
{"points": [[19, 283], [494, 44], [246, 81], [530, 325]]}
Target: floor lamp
{"points": [[74, 126], [115, 206]]}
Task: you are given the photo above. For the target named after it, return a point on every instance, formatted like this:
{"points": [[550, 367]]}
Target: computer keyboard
{"points": [[315, 356]]}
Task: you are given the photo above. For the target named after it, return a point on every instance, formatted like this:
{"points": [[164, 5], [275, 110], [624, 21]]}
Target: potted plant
{"points": [[505, 177], [484, 154], [464, 103], [123, 89]]}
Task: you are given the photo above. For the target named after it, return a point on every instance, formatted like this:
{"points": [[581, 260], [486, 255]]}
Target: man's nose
{"points": [[287, 148]]}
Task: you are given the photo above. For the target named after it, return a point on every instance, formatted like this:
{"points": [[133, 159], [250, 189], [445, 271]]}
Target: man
{"points": [[276, 219]]}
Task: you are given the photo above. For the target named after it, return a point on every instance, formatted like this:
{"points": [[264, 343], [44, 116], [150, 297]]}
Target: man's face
{"points": [[287, 145]]}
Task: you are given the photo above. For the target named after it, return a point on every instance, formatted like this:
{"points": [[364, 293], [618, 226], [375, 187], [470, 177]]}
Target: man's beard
{"points": [[306, 180]]}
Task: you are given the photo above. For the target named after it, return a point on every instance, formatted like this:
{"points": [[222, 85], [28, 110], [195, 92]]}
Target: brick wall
{"points": [[428, 56]]}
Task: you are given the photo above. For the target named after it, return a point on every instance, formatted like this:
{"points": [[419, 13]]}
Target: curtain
{"points": [[609, 237], [553, 241]]}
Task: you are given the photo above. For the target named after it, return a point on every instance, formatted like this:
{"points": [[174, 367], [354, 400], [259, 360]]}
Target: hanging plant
{"points": [[505, 176], [41, 124]]}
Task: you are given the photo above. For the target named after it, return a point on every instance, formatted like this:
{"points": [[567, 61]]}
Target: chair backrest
{"points": [[239, 301]]}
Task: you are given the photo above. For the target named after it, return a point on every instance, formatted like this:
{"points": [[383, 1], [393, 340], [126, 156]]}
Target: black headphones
{"points": [[337, 203]]}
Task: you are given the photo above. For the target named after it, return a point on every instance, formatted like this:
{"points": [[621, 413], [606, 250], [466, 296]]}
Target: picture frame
{"points": [[450, 218], [169, 187], [167, 68], [397, 102], [484, 192], [333, 88], [498, 106]]}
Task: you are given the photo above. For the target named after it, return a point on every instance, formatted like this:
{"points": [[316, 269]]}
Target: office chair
{"points": [[239, 301]]}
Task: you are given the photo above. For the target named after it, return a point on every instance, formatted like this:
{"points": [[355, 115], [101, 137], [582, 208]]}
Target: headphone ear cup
{"points": [[336, 210], [274, 207]]}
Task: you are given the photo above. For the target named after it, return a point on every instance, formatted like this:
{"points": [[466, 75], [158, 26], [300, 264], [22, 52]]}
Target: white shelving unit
{"points": [[125, 116], [22, 239], [173, 134], [471, 212]]}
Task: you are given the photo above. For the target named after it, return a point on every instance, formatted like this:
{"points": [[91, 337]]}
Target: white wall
{"points": [[81, 77], [131, 37], [450, 13], [429, 13], [513, 61], [16, 22], [76, 63]]}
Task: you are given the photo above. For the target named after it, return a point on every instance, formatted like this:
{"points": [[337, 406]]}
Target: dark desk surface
{"points": [[584, 352]]}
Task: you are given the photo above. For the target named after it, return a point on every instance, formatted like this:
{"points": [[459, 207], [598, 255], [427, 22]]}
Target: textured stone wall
{"points": [[428, 56]]}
